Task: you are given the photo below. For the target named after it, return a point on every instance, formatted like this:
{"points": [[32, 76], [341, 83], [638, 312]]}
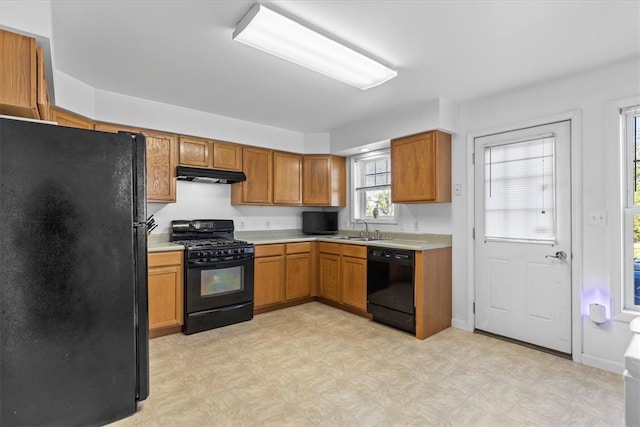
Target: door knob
{"points": [[561, 255]]}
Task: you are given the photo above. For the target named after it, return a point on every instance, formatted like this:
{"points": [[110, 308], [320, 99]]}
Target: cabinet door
{"points": [[257, 164], [287, 178], [324, 180], [42, 98], [66, 118], [298, 276], [317, 180], [269, 276], [165, 296], [421, 168], [194, 152], [161, 167], [354, 282], [165, 290], [227, 155], [329, 276], [18, 75]]}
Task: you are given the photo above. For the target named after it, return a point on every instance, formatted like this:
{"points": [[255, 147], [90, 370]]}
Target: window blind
{"points": [[520, 190]]}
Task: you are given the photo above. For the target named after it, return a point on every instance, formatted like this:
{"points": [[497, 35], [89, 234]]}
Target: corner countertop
{"points": [[161, 243], [416, 242]]}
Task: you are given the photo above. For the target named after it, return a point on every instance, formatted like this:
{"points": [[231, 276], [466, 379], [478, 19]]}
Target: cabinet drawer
{"points": [[158, 259], [356, 251], [269, 250], [331, 248], [297, 248]]}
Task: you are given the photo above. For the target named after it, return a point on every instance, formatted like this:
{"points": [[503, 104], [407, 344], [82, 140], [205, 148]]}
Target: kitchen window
{"points": [[630, 131], [371, 181]]}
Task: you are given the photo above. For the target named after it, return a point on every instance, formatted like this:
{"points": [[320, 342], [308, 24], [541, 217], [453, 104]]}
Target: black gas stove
{"points": [[218, 274], [208, 240]]}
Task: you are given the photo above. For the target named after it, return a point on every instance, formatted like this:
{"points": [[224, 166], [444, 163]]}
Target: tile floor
{"points": [[315, 365]]}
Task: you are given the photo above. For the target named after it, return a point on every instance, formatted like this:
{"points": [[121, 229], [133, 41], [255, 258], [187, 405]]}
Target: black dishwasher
{"points": [[390, 287]]}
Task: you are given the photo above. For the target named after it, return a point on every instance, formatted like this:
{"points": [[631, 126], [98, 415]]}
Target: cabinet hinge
{"points": [[474, 308], [473, 158], [473, 232]]}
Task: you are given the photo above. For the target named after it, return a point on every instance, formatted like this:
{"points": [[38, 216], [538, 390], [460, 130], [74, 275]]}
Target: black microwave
{"points": [[319, 222]]}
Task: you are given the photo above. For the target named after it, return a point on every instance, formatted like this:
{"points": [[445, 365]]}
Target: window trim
{"points": [[629, 209], [383, 152], [615, 202]]}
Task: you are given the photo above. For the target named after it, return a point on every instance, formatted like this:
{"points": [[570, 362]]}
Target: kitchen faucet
{"points": [[366, 226]]}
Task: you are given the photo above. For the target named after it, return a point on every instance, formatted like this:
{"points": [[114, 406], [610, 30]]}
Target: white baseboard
{"points": [[461, 324], [600, 363]]}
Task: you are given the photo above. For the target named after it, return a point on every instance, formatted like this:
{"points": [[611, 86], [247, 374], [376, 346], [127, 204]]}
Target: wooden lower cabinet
{"points": [[342, 274], [269, 275], [283, 274], [299, 278], [354, 282], [329, 271], [433, 291], [165, 292]]}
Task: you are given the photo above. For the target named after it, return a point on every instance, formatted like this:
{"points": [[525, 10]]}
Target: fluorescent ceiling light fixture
{"points": [[278, 35]]}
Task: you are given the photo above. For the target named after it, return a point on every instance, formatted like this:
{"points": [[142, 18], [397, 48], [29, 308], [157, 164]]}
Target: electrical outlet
{"points": [[268, 223], [457, 189], [416, 226], [241, 225]]}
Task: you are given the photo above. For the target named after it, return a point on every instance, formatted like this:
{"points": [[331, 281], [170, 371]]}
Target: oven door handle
{"points": [[222, 263]]}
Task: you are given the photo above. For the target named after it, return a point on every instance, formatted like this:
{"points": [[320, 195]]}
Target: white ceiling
{"points": [[181, 52]]}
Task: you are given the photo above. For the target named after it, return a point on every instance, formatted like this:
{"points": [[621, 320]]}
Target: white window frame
{"points": [[357, 197], [627, 138]]}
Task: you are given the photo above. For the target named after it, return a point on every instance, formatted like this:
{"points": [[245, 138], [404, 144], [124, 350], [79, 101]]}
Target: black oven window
{"points": [[221, 281]]}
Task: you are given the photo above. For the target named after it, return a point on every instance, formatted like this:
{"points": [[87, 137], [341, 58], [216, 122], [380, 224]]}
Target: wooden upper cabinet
{"points": [[69, 119], [113, 128], [287, 178], [18, 75], [324, 180], [257, 164], [161, 166], [42, 96], [227, 155], [421, 168], [194, 152]]}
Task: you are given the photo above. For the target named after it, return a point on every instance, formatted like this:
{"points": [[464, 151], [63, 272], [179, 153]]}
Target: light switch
{"points": [[457, 189], [597, 218]]}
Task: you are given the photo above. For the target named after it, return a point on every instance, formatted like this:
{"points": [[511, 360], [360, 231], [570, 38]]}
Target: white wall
{"points": [[588, 94], [429, 115], [201, 200]]}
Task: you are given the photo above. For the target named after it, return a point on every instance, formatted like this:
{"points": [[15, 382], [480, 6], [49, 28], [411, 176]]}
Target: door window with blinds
{"points": [[520, 191], [371, 177]]}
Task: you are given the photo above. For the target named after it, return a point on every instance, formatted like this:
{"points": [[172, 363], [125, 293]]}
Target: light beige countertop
{"points": [[161, 243], [416, 242]]}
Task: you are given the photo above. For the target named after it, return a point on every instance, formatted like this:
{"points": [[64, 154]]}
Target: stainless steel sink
{"points": [[360, 238]]}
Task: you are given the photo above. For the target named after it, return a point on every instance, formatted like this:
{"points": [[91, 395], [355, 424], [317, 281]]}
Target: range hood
{"points": [[213, 176]]}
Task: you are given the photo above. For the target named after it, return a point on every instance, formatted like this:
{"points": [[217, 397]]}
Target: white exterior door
{"points": [[523, 235]]}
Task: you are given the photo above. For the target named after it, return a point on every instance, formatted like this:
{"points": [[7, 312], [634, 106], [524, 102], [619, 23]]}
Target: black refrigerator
{"points": [[73, 280]]}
